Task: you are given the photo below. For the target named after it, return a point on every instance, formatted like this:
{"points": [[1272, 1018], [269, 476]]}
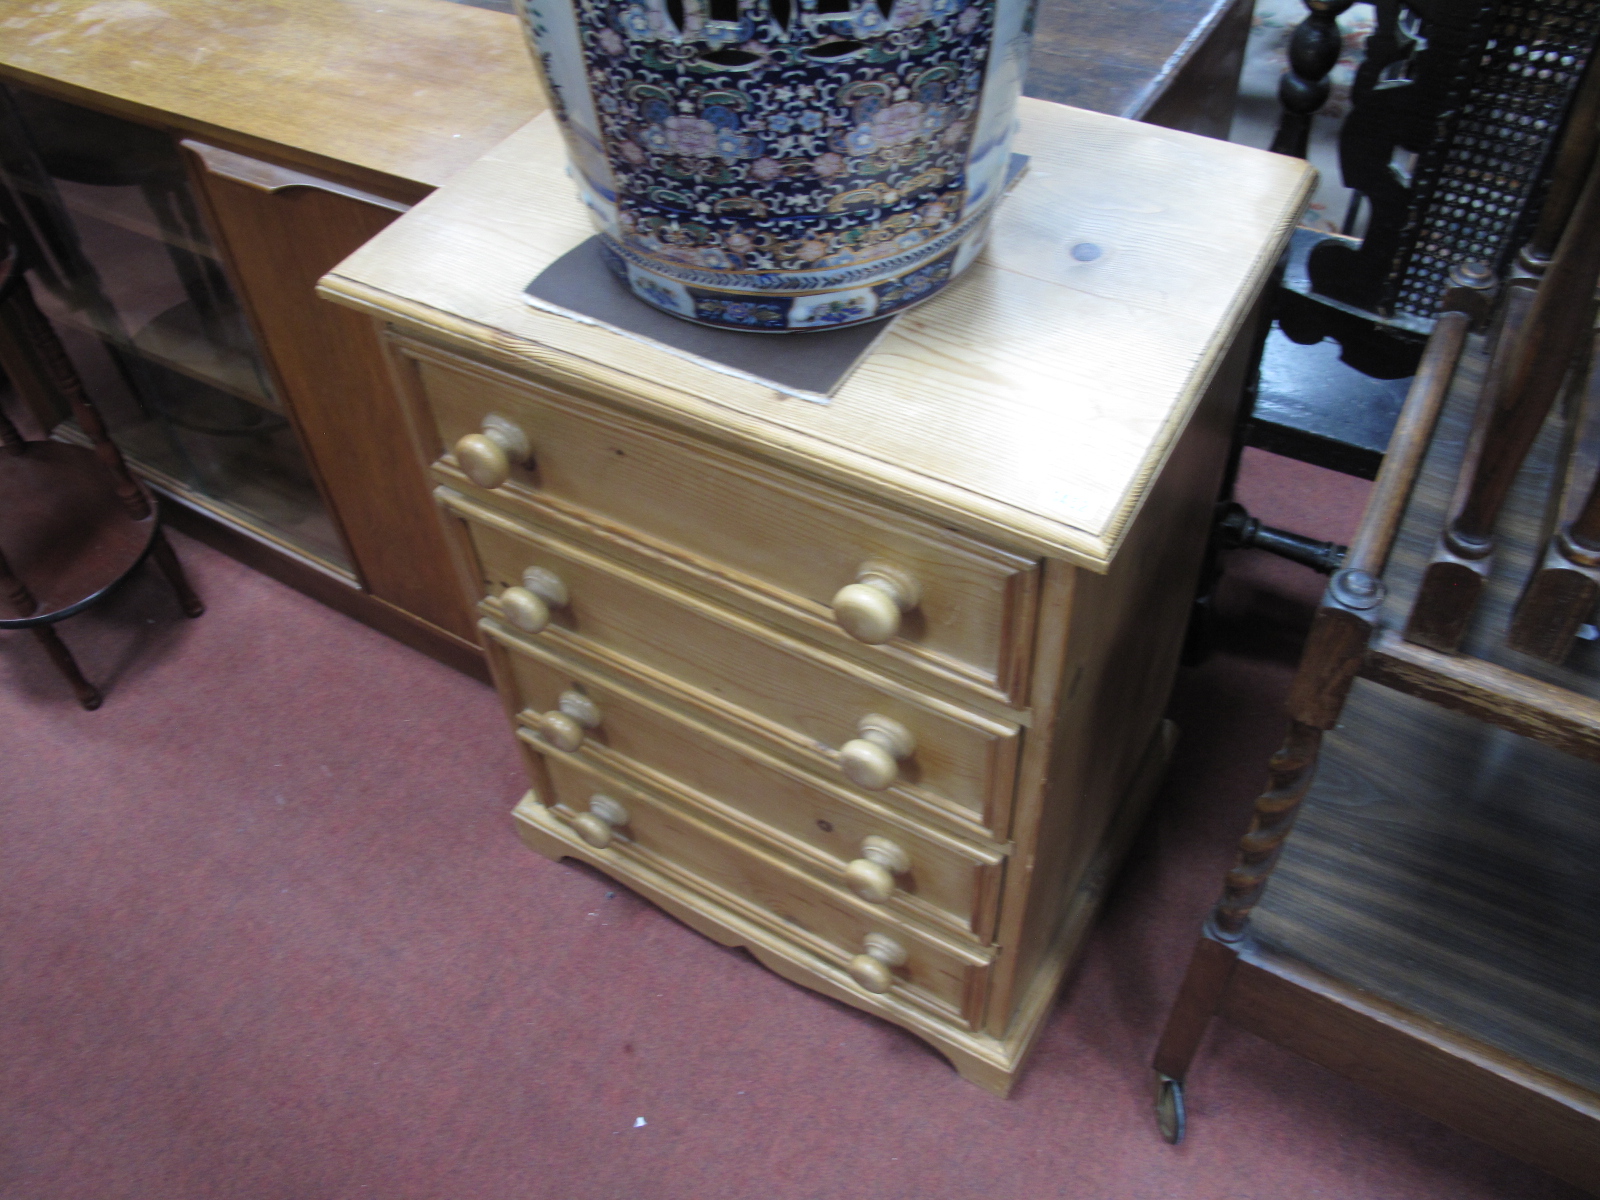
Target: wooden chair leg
{"points": [[166, 559], [1198, 998], [1206, 982], [1565, 587], [1346, 622], [88, 695], [1558, 599], [1529, 370]]}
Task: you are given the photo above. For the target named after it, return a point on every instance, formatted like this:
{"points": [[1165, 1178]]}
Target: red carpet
{"points": [[267, 933]]}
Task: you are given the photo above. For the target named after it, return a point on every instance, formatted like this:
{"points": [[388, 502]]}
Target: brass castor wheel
{"points": [[1169, 1108]]}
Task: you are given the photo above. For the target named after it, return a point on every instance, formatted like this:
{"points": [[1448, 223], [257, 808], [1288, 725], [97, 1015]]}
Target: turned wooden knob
{"points": [[872, 875], [869, 609], [599, 824], [528, 607], [486, 458], [524, 610], [564, 727], [560, 730], [872, 760], [874, 967]]}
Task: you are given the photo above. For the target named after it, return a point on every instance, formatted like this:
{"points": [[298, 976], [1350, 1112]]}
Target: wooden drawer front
{"points": [[764, 535], [941, 974], [822, 827], [962, 771]]}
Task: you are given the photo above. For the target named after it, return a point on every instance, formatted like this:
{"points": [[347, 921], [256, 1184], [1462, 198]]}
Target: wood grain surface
{"points": [[799, 945], [1458, 1080], [1109, 648], [1032, 402], [396, 95], [674, 840], [1448, 866], [1174, 63], [801, 933], [1553, 715], [754, 531], [947, 781], [650, 630], [817, 823], [697, 522]]}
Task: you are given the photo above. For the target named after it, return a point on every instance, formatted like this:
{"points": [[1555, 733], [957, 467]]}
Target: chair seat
{"points": [[63, 531]]}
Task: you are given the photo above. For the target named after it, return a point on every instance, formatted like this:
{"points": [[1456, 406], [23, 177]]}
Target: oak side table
{"points": [[871, 687]]}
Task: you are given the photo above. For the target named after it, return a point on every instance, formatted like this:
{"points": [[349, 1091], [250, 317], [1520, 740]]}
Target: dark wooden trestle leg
{"points": [[51, 356], [166, 560], [88, 695], [15, 597]]}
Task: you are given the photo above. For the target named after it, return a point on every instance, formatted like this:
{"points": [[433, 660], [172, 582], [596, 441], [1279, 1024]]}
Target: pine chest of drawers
{"points": [[873, 688]]}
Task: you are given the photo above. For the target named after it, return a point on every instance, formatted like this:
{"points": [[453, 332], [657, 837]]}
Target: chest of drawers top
{"points": [[1032, 404]]}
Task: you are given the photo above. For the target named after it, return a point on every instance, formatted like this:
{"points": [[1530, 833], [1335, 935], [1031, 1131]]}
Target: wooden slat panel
{"points": [[1434, 1070], [1449, 867]]}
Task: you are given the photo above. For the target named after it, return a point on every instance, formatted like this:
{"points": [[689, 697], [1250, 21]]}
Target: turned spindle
{"points": [[1539, 340], [1563, 591], [1314, 50]]}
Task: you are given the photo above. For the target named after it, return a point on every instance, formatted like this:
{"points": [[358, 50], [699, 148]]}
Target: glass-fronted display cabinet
{"points": [[121, 262]]}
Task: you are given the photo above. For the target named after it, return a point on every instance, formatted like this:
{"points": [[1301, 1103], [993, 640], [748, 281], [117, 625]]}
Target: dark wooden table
{"points": [[1169, 62]]}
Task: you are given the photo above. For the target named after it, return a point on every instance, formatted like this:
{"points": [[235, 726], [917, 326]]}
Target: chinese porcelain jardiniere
{"points": [[783, 165]]}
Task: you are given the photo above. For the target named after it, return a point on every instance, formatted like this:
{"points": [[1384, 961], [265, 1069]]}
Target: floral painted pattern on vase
{"points": [[785, 164]]}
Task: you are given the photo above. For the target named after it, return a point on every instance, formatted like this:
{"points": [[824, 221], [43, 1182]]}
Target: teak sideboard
{"points": [[307, 126], [871, 687]]}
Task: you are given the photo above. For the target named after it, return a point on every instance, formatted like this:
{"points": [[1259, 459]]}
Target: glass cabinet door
{"points": [[121, 263]]}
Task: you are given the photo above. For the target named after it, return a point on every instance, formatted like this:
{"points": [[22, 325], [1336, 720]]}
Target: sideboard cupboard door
{"points": [[279, 231]]}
